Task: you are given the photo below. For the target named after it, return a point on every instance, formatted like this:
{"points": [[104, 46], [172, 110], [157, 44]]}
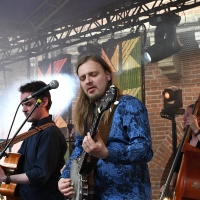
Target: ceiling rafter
{"points": [[35, 20], [50, 8], [110, 19]]}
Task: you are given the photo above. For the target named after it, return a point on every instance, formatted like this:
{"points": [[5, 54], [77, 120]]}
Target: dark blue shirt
{"points": [[124, 174], [43, 158]]}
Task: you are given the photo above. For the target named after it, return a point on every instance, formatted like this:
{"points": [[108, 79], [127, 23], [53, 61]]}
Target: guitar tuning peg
{"points": [[110, 109], [116, 102], [98, 109]]}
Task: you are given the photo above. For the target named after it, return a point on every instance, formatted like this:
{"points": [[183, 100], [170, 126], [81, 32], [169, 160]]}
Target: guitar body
{"points": [[12, 162], [83, 185], [11, 166]]}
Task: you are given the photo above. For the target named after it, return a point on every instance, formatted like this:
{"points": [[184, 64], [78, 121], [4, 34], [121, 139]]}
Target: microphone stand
{"points": [[3, 153]]}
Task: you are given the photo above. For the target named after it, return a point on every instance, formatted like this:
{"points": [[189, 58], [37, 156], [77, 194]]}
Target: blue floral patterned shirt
{"points": [[124, 174]]}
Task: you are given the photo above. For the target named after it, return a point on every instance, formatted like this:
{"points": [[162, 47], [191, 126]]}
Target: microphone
{"points": [[52, 85]]}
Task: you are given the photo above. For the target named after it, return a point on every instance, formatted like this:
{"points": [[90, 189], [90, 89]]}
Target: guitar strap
{"points": [[104, 128], [26, 134]]}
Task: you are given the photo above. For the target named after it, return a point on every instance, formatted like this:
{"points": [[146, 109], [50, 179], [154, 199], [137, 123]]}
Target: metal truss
{"points": [[34, 21], [110, 19]]}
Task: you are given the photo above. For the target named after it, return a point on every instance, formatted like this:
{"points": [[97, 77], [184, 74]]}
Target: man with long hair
{"points": [[42, 153], [121, 171]]}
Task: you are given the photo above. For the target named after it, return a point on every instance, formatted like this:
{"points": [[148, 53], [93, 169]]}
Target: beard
{"points": [[95, 98], [31, 119]]}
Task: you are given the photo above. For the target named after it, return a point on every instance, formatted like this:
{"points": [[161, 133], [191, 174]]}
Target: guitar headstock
{"points": [[108, 99]]}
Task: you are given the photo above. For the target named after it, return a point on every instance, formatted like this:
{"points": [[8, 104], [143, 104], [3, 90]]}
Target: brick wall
{"points": [[161, 128]]}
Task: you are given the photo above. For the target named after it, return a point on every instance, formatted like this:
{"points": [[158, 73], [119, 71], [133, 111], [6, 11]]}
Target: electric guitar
{"points": [[81, 170]]}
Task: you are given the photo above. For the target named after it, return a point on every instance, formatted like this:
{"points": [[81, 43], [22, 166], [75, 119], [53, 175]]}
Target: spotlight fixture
{"points": [[89, 48], [82, 48], [167, 41], [172, 97]]}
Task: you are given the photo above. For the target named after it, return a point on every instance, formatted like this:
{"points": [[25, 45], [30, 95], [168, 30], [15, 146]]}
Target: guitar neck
{"points": [[85, 160], [24, 135], [4, 143], [93, 129]]}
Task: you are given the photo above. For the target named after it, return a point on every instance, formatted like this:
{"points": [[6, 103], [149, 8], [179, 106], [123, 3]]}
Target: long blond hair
{"points": [[84, 109]]}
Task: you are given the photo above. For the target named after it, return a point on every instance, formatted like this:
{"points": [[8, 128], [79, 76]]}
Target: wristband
{"points": [[8, 180], [197, 133]]}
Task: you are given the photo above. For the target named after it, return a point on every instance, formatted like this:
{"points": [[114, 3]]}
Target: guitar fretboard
{"points": [[25, 135]]}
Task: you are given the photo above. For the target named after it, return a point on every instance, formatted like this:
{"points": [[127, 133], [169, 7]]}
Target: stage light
{"points": [[167, 41], [89, 48], [172, 97], [82, 48], [162, 50]]}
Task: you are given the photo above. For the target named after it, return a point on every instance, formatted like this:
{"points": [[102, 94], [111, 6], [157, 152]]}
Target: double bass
{"points": [[188, 180]]}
